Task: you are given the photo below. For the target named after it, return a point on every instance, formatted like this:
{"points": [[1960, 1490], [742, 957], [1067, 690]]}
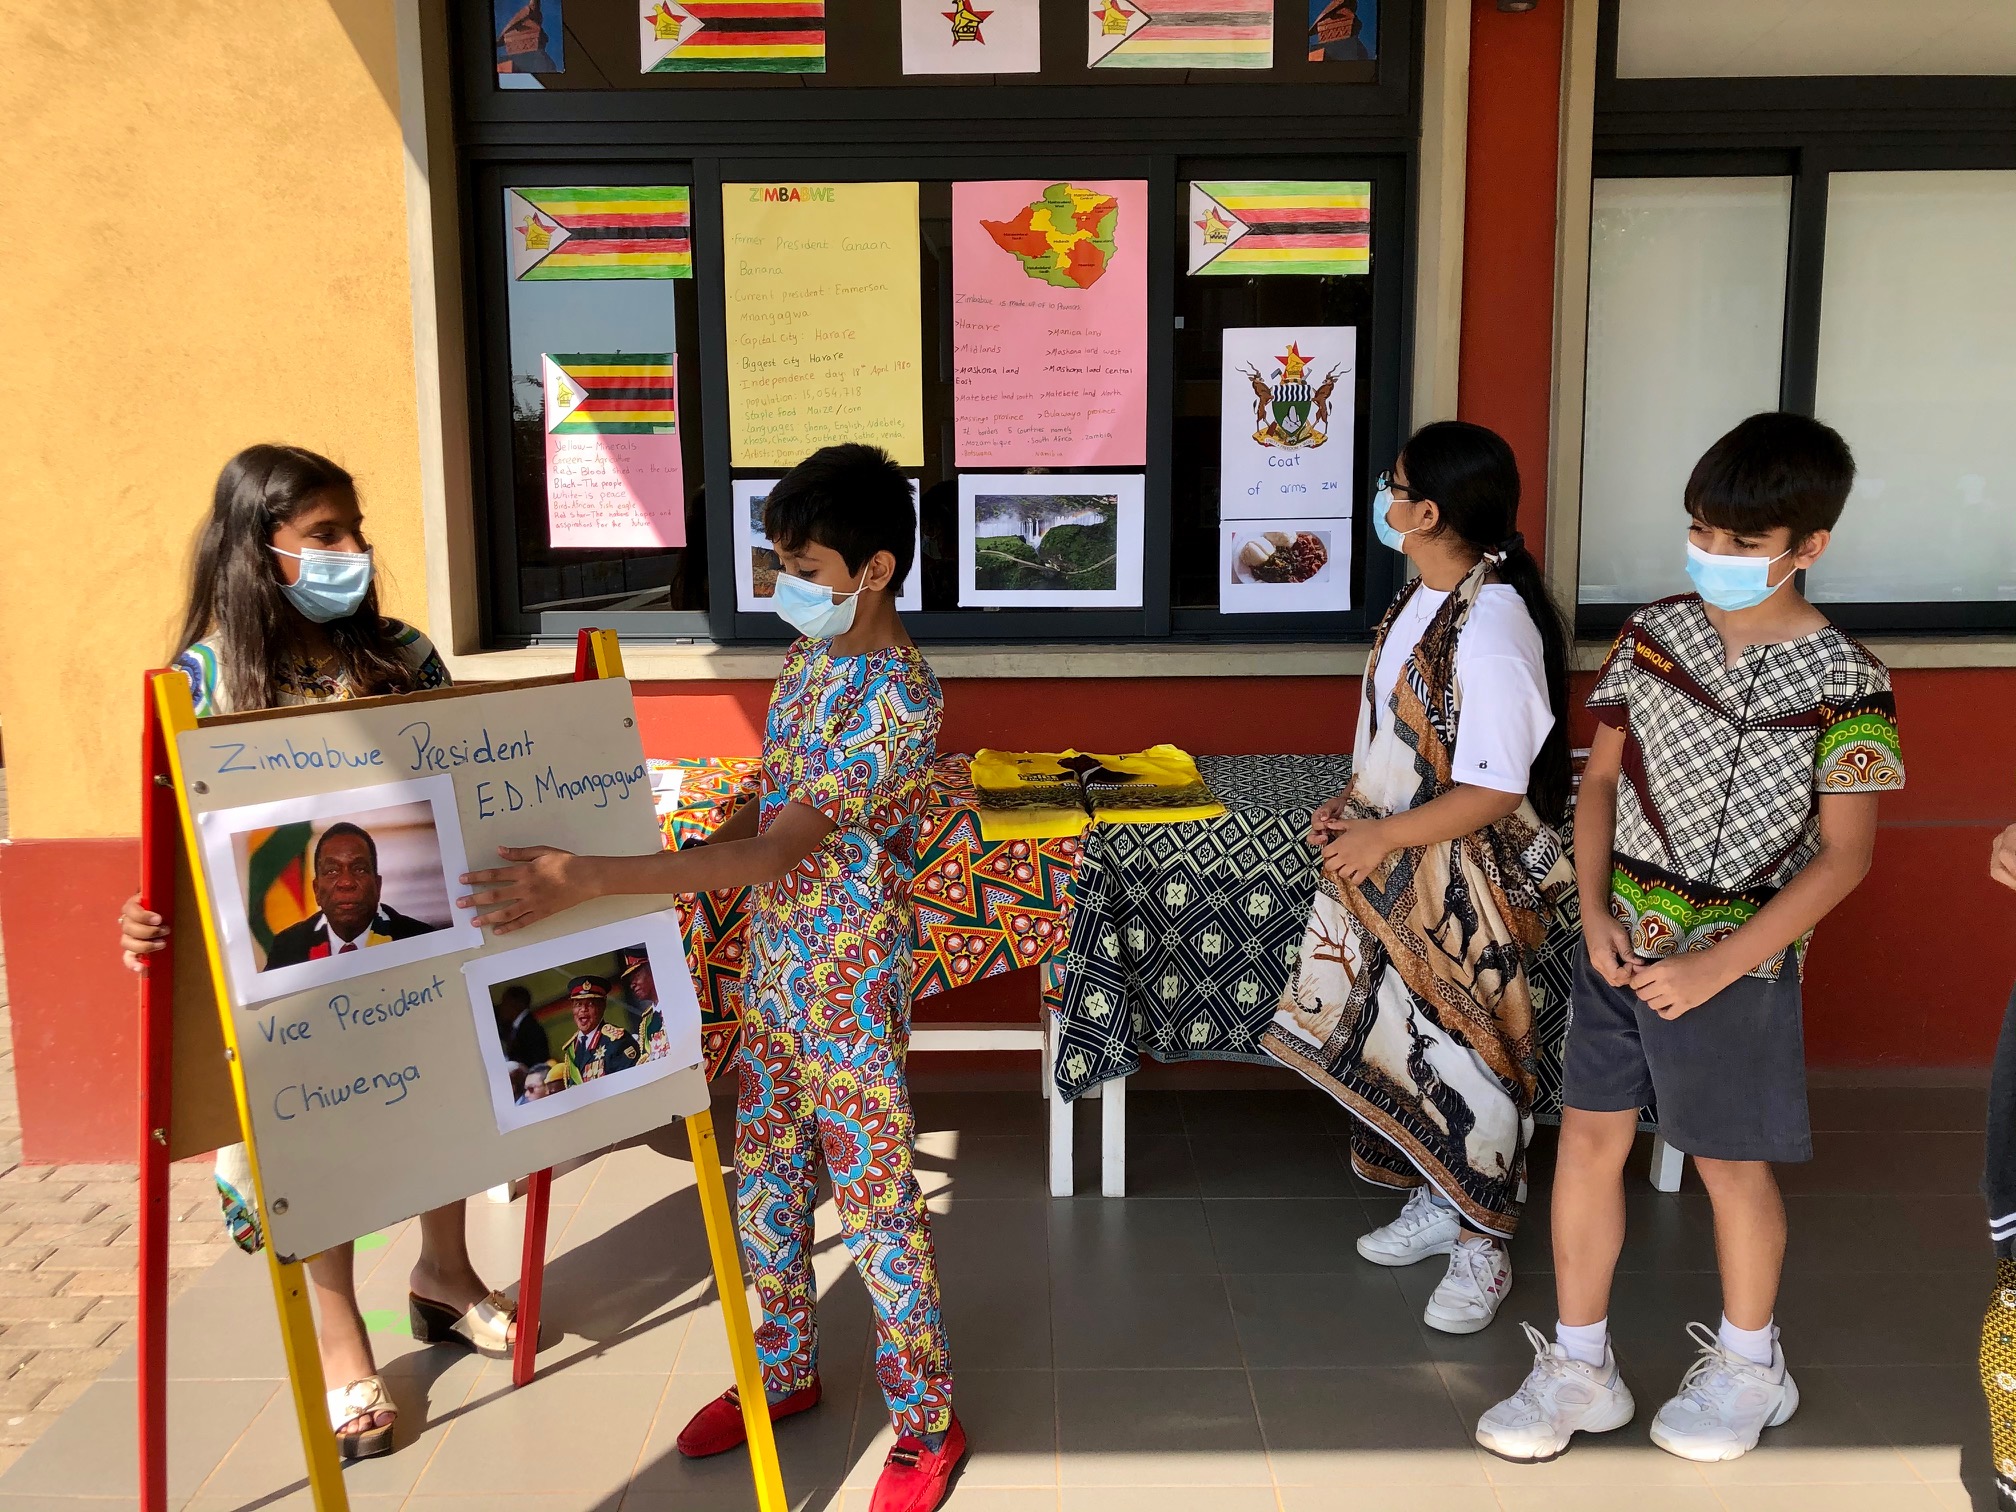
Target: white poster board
{"points": [[1285, 469], [370, 1084]]}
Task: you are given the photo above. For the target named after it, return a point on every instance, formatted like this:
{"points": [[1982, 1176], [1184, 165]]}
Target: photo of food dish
{"points": [[1281, 556]]}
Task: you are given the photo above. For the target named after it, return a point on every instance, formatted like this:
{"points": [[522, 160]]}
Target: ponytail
{"points": [[1470, 474]]}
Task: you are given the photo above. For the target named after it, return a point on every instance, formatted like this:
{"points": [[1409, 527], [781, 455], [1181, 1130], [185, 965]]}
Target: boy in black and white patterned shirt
{"points": [[1728, 806]]}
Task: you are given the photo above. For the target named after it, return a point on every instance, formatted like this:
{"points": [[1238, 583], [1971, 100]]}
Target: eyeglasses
{"points": [[1386, 481]]}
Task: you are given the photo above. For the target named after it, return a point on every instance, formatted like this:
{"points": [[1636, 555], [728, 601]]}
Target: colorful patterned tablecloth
{"points": [[983, 908], [1184, 934]]}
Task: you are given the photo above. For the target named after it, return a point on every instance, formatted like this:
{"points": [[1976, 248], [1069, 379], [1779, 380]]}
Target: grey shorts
{"points": [[1728, 1080]]}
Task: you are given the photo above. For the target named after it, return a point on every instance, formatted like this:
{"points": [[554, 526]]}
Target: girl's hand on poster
{"points": [[1680, 983], [1609, 946], [2002, 858], [1323, 823], [141, 934], [1356, 848], [540, 882]]}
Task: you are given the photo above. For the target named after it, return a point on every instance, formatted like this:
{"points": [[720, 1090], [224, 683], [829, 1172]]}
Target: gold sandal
{"points": [[485, 1328], [363, 1398]]}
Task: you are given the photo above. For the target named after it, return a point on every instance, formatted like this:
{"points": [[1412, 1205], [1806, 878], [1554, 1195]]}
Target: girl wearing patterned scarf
{"points": [[1410, 1003]]}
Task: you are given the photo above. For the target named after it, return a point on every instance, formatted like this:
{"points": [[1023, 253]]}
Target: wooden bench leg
{"points": [[1113, 1138], [1063, 1181], [1667, 1166]]}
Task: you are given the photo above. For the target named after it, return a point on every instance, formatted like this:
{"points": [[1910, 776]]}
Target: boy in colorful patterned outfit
{"points": [[851, 734], [1728, 806]]}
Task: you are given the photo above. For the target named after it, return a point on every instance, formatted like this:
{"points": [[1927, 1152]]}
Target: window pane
{"points": [[1918, 372], [601, 314], [1686, 310], [1726, 39], [1206, 308]]}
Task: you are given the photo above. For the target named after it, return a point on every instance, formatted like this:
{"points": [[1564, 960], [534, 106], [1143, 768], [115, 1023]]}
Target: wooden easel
{"points": [[168, 832]]}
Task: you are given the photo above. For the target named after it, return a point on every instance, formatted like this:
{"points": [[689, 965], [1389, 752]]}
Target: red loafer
{"points": [[915, 1479], [718, 1427]]}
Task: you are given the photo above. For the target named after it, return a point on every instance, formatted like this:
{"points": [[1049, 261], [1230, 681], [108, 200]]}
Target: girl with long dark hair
{"points": [[283, 610], [1410, 1002]]}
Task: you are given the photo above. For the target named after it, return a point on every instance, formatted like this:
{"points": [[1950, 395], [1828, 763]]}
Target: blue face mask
{"points": [[331, 585], [1733, 582], [1382, 527], [814, 609]]}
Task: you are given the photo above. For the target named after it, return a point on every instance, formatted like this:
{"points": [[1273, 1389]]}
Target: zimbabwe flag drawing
{"points": [[1179, 34], [1272, 226], [615, 231], [732, 36], [611, 393]]}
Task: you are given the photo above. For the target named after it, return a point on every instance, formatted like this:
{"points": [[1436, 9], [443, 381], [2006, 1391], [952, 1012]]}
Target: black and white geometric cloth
{"points": [[1183, 935]]}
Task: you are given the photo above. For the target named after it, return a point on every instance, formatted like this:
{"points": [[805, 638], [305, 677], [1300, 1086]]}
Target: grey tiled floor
{"points": [[1211, 1341]]}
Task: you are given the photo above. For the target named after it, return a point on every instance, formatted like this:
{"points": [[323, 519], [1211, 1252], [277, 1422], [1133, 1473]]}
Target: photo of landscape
{"points": [[1046, 541], [1050, 540]]}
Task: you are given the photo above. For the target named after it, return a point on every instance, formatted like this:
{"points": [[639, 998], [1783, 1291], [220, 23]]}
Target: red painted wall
{"points": [[1912, 971], [1220, 716], [75, 1008], [1505, 376]]}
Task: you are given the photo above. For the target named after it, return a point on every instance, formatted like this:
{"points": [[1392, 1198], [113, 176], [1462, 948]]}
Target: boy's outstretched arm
{"points": [[1847, 845], [542, 881], [740, 825]]}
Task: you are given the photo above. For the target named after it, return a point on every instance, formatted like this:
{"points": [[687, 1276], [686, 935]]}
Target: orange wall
{"points": [[218, 256]]}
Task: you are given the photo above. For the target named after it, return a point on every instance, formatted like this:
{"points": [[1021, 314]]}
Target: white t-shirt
{"points": [[1501, 678]]}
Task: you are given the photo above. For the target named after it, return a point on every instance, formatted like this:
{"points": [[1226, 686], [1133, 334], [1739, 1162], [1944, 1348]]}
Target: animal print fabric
{"points": [[1410, 1002]]}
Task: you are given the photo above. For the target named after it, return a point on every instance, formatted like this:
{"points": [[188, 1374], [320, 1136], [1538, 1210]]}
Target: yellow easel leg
{"points": [[727, 1253], [304, 1376]]}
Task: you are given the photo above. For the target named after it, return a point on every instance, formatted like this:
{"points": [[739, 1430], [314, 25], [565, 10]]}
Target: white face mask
{"points": [[813, 609], [1733, 582], [331, 584]]}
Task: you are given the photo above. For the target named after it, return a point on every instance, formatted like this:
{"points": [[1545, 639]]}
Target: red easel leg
{"points": [[158, 839], [531, 1276], [539, 1185]]}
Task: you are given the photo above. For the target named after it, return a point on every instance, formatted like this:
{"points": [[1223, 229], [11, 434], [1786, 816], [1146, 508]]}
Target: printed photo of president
{"points": [[316, 890]]}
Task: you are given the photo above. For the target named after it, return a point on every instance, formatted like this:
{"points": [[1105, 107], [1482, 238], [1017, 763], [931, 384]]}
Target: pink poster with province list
{"points": [[1050, 322]]}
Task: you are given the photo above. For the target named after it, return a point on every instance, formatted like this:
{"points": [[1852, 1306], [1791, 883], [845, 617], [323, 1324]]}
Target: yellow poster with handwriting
{"points": [[824, 329]]}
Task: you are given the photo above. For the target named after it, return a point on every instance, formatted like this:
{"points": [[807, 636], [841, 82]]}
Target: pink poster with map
{"points": [[1050, 322]]}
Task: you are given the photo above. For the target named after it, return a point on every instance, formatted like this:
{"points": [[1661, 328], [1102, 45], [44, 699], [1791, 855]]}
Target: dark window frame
{"points": [[1805, 129], [1162, 134]]}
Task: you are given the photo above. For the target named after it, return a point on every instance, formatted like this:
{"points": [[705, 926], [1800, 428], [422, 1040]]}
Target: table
{"points": [[983, 907], [1184, 934]]}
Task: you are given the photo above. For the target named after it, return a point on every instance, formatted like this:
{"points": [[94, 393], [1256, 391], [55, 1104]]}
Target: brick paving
{"points": [[68, 1259]]}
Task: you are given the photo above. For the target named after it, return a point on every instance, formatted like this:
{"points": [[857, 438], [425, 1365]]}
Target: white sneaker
{"points": [[1559, 1398], [1424, 1228], [1725, 1402], [1480, 1276]]}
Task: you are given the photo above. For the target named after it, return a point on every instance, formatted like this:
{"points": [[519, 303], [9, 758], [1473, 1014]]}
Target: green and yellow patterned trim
{"points": [[1666, 915], [1859, 750]]}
